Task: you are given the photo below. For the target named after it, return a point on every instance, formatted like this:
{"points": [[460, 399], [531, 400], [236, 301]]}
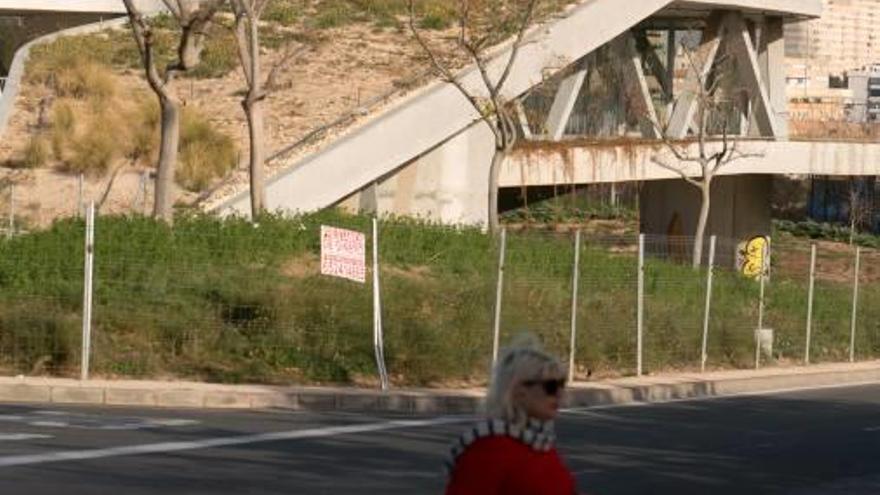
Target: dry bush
{"points": [[94, 151], [36, 152], [78, 76], [206, 154], [143, 130], [63, 128]]}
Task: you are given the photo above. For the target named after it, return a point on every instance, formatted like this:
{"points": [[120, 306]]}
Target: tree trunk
{"points": [[494, 172], [705, 205], [254, 110], [164, 205]]}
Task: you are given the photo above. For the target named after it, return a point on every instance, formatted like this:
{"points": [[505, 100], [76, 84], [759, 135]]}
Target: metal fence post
{"points": [[11, 230], [575, 279], [855, 306], [810, 303], [378, 337], [498, 295], [640, 317], [708, 310], [763, 282], [87, 291], [79, 196]]}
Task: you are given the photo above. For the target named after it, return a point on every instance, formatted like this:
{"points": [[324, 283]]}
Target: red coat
{"points": [[501, 465]]}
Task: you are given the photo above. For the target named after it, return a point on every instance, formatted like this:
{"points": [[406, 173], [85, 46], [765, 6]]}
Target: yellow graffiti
{"points": [[753, 256]]}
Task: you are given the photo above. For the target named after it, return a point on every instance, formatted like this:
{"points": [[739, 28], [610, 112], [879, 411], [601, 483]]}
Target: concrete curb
{"points": [[612, 392]]}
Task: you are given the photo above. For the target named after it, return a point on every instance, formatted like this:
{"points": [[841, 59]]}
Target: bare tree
{"points": [[194, 18], [247, 35], [481, 24], [719, 103], [860, 208]]}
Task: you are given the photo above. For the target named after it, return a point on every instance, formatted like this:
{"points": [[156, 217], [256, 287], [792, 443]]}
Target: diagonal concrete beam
{"points": [[749, 74], [563, 103], [772, 61], [523, 120], [656, 67], [703, 59], [636, 85]]}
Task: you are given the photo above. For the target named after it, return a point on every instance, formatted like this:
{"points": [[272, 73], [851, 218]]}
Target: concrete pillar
{"points": [[773, 57], [740, 210], [448, 184]]}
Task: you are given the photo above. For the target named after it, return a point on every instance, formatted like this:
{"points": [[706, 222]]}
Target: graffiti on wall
{"points": [[751, 256]]}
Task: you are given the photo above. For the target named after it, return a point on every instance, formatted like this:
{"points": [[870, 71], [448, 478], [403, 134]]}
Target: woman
{"points": [[512, 452]]}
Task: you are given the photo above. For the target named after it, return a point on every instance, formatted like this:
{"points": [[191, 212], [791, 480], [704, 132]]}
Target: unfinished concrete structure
{"points": [[428, 155]]}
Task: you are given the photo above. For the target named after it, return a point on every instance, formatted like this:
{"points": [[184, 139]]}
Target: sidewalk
{"points": [[423, 401]]}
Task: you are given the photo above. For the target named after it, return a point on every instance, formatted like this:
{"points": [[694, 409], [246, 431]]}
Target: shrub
{"points": [[84, 79], [143, 136], [205, 153], [63, 128], [36, 152], [220, 56], [284, 12], [71, 68], [93, 152]]}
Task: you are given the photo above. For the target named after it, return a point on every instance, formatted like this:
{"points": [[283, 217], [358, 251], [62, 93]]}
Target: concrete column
{"points": [[773, 40], [563, 104]]}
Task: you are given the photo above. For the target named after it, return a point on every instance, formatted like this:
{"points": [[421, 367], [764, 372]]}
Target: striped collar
{"points": [[539, 435]]}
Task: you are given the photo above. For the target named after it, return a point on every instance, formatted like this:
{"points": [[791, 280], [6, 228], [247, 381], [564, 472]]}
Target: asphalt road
{"points": [[808, 442]]}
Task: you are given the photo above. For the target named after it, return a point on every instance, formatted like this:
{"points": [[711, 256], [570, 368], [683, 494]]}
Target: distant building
{"points": [[846, 37], [865, 87]]}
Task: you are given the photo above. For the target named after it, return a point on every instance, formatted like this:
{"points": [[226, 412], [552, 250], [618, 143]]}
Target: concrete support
{"points": [[636, 85], [563, 103], [523, 120], [701, 63], [447, 184], [740, 210], [773, 65], [749, 73]]}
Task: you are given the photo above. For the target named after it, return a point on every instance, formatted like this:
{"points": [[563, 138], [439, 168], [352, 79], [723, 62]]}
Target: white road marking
{"points": [[49, 424], [61, 419], [872, 429], [165, 447], [13, 437], [718, 397]]}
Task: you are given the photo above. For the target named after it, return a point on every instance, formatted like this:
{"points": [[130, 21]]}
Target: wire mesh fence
{"points": [[41, 291], [607, 307], [232, 301]]}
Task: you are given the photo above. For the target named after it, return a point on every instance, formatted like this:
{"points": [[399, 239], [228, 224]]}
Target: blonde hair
{"points": [[524, 360]]}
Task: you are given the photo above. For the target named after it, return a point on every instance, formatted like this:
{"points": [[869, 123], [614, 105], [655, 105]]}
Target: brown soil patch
{"points": [[304, 266]]}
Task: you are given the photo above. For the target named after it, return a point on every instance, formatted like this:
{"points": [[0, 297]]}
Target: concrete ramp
{"points": [[434, 115]]}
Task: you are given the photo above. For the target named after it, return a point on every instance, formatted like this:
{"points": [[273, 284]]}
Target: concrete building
{"points": [[865, 87], [846, 37]]}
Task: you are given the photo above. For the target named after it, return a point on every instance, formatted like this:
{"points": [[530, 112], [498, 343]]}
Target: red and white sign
{"points": [[343, 254]]}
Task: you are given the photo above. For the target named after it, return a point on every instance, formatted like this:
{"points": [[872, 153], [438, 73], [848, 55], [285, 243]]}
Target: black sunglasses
{"points": [[551, 387]]}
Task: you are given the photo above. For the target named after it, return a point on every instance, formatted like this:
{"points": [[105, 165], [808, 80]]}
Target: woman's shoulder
{"points": [[496, 441]]}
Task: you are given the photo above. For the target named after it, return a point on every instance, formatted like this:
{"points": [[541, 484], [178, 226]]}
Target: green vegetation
{"points": [[233, 302], [827, 231], [67, 64]]}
